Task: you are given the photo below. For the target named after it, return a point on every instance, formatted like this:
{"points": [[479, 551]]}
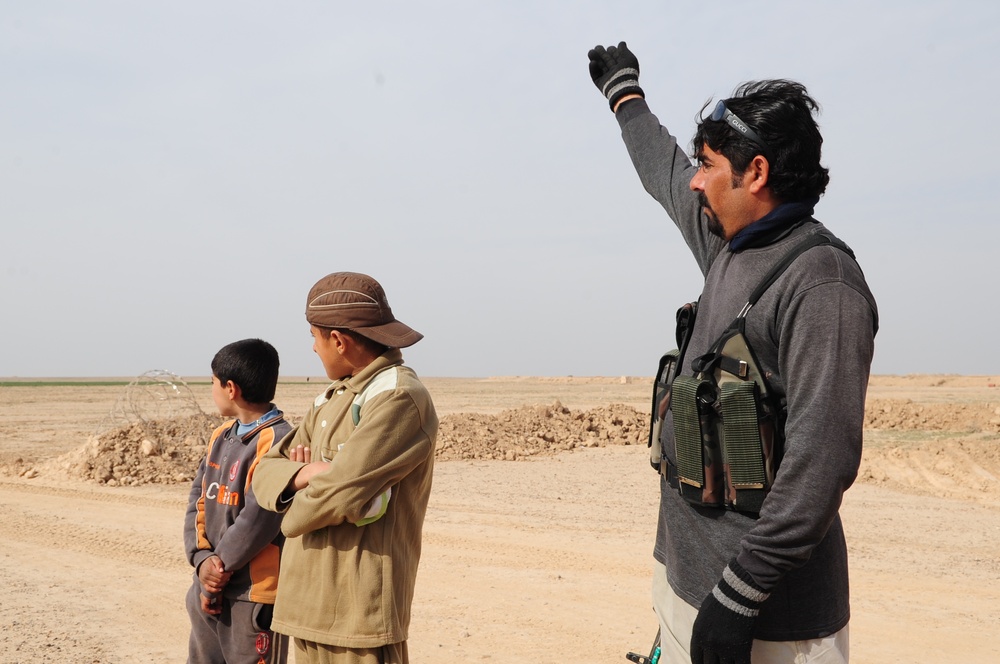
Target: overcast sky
{"points": [[177, 175]]}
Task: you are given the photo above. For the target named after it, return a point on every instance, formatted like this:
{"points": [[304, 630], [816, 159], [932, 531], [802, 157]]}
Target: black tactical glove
{"points": [[723, 630], [615, 71]]}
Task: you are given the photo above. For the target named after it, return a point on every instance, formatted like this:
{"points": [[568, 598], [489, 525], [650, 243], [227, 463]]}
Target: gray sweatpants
{"points": [[235, 635]]}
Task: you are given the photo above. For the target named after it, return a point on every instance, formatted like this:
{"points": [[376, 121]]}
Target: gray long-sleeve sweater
{"points": [[223, 516], [813, 332]]}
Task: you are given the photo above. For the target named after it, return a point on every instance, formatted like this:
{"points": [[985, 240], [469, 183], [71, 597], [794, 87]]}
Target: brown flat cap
{"points": [[356, 302]]}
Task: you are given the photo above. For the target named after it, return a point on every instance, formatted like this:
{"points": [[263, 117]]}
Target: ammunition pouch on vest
{"points": [[727, 427], [728, 423], [665, 374]]}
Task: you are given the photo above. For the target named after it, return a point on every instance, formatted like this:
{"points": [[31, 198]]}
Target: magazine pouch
{"points": [[745, 422], [665, 373], [750, 426], [699, 468]]}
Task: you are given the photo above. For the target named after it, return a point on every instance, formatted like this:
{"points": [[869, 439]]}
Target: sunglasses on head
{"points": [[733, 120]]}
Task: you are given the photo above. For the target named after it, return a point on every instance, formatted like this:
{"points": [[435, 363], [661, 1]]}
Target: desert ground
{"points": [[538, 538]]}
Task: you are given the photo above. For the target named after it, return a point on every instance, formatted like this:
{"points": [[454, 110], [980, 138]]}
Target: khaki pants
{"points": [[309, 652], [677, 620]]}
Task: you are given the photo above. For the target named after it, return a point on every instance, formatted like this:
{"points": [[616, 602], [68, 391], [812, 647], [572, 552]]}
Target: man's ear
{"points": [[758, 173]]}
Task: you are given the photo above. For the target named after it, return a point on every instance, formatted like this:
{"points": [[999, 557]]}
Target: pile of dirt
{"points": [[937, 449], [528, 431], [960, 467], [169, 452], [967, 462], [902, 414], [157, 452]]}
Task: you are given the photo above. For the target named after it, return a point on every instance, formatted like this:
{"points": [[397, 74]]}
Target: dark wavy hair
{"points": [[781, 112]]}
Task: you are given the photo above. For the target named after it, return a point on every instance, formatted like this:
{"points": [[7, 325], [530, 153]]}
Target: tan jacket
{"points": [[342, 584]]}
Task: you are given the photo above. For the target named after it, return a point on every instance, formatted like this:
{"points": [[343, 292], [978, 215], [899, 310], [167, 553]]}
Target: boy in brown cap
{"points": [[353, 517]]}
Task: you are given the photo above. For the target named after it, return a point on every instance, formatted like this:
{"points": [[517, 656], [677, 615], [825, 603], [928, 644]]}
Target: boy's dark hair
{"points": [[252, 364], [781, 112]]}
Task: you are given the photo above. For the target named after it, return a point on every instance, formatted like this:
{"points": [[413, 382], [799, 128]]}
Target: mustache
{"points": [[703, 200]]}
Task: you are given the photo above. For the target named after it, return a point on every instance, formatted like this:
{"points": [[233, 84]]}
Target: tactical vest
{"points": [[728, 423]]}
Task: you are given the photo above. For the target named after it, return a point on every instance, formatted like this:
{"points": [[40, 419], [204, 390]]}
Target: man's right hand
{"points": [[615, 72]]}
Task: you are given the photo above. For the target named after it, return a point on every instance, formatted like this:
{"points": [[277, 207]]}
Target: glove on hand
{"points": [[615, 71], [723, 630]]}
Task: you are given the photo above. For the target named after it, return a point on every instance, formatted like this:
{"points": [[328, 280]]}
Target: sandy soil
{"points": [[542, 558]]}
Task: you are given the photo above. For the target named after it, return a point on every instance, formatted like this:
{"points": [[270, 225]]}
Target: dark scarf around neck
{"points": [[773, 225]]}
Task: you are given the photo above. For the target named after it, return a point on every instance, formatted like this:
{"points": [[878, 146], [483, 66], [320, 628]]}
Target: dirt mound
{"points": [[528, 431], [948, 450], [168, 452], [156, 452], [963, 468], [935, 449], [904, 414]]}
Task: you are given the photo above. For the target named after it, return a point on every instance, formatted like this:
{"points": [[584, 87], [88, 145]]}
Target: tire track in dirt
{"points": [[94, 494], [98, 524], [501, 556], [963, 468], [87, 555]]}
